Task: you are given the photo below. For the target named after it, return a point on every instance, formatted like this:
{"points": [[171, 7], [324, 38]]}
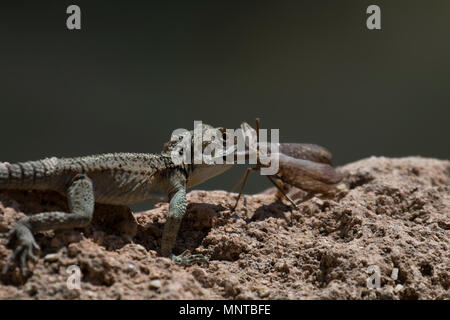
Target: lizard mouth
{"points": [[202, 172]]}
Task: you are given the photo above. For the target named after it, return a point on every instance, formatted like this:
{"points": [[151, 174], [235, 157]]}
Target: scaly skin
{"points": [[116, 179]]}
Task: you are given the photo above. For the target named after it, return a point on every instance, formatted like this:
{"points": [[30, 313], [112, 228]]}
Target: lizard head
{"points": [[203, 149]]}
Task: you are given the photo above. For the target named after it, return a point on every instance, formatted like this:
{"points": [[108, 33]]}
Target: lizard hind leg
{"points": [[80, 196]]}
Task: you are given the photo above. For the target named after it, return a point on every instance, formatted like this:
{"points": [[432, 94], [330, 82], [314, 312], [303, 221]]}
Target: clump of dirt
{"points": [[384, 234]]}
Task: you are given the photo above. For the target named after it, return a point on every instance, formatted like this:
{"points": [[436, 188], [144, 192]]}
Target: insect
{"points": [[305, 166]]}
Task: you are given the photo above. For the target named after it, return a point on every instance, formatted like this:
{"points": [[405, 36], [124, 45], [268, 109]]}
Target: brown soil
{"points": [[390, 213]]}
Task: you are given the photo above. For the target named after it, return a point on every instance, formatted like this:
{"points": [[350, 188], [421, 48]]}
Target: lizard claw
{"points": [[187, 259], [24, 250], [7, 234]]}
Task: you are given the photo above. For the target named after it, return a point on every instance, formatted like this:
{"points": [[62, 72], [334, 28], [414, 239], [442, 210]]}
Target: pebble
{"points": [[398, 288], [317, 201], [282, 267], [51, 257], [154, 284], [263, 292]]}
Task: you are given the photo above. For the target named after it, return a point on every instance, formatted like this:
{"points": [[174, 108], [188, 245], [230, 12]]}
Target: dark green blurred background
{"points": [[139, 69]]}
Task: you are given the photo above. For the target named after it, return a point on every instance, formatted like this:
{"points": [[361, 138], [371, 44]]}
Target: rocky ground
{"points": [[389, 217]]}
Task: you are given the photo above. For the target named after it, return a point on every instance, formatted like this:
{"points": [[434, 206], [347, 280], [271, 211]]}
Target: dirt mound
{"points": [[389, 218]]}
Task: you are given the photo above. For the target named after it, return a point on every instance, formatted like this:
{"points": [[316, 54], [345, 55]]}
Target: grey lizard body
{"points": [[119, 178], [116, 179]]}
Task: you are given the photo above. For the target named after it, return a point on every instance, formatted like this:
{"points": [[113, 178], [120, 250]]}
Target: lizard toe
{"points": [[198, 258], [22, 253], [13, 257], [185, 253], [7, 234], [31, 255], [7, 266], [185, 259], [23, 262]]}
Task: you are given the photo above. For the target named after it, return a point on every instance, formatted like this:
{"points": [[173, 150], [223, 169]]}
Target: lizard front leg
{"points": [[177, 209], [80, 196]]}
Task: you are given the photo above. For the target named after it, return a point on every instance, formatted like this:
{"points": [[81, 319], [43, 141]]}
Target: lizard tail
{"points": [[36, 175]]}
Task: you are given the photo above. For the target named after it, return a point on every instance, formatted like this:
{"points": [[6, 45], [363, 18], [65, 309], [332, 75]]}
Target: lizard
{"points": [[303, 165], [128, 178], [114, 179]]}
